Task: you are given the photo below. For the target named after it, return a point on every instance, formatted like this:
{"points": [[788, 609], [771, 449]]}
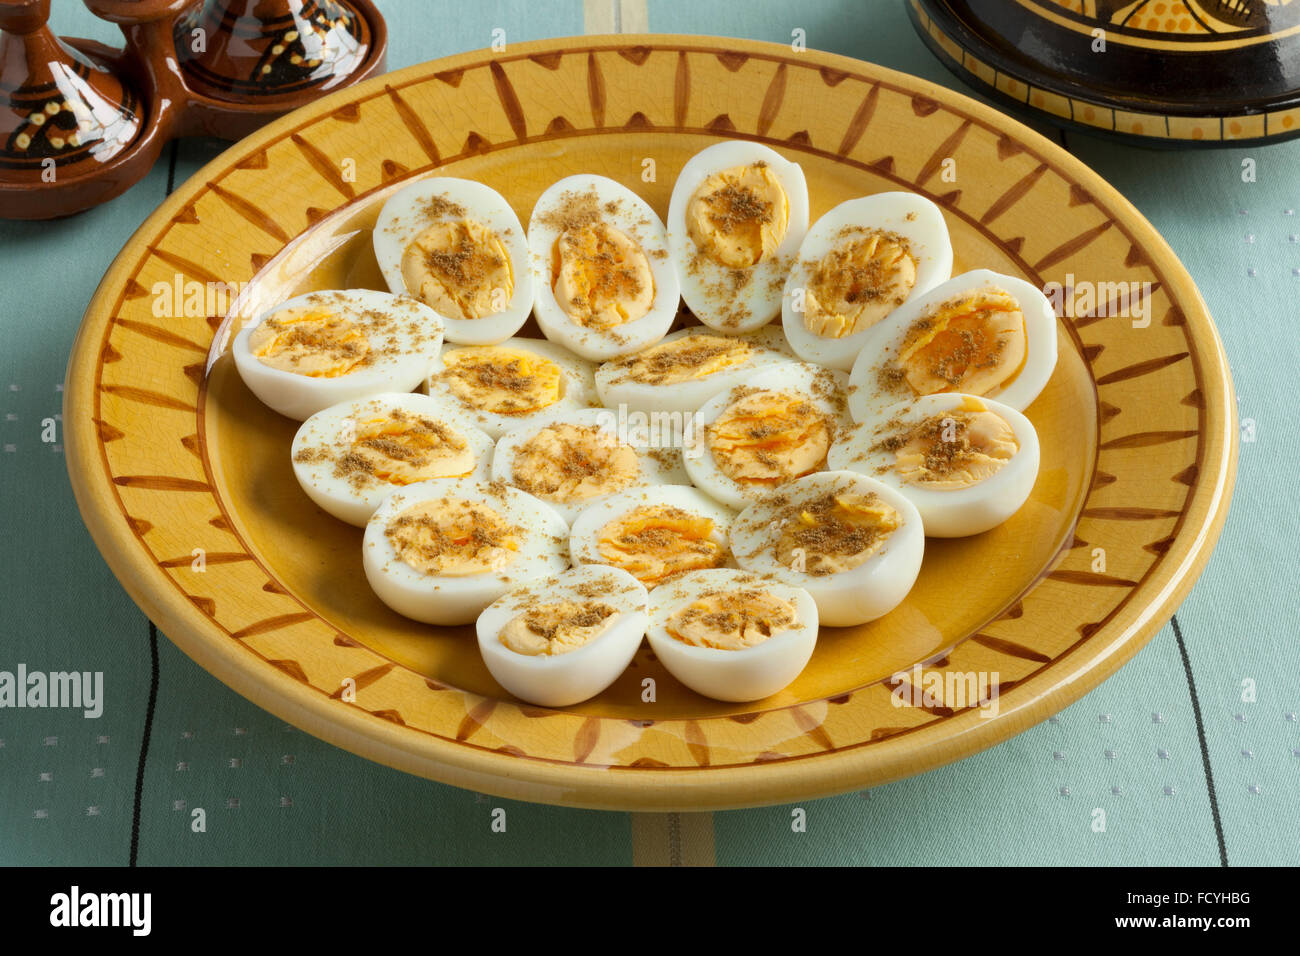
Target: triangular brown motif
{"points": [[315, 215], [109, 354], [635, 54], [205, 604], [733, 61], [951, 199], [800, 138], [134, 290], [1087, 630], [884, 163], [342, 640], [559, 125], [1013, 245], [474, 143], [191, 445], [1161, 546], [638, 120], [214, 321], [1188, 475], [1106, 411], [1101, 479], [450, 77], [924, 105], [550, 61], [195, 372], [391, 169], [273, 587], [1079, 196], [139, 526], [721, 123], [1008, 147], [220, 523], [108, 432], [348, 112], [187, 216], [292, 668], [1090, 352], [832, 77], [1195, 399], [1134, 257], [258, 260], [1175, 316], [390, 715], [256, 161]]}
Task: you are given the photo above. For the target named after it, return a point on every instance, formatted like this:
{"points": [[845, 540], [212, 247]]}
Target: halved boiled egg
{"points": [[686, 369], [730, 634], [564, 638], [322, 348], [441, 551], [967, 463], [738, 213], [980, 333], [351, 456], [514, 382], [604, 285], [574, 459], [857, 264], [653, 533], [776, 427], [458, 247], [854, 543]]}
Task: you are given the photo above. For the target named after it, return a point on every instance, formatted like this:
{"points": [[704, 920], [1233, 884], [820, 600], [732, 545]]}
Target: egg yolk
{"points": [[953, 450], [460, 269], [548, 630], [306, 342], [974, 343], [687, 359], [453, 537], [401, 448], [732, 620], [835, 532], [601, 276], [502, 380], [858, 283], [569, 463], [739, 216], [654, 541], [769, 437]]}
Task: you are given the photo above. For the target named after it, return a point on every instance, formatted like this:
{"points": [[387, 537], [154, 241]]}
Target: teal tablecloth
{"points": [[69, 786]]}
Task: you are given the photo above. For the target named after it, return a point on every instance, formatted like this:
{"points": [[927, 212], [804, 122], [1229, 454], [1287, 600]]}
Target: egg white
{"points": [[654, 466], [616, 388], [950, 513], [750, 673], [630, 214], [760, 299], [913, 217], [564, 679], [405, 352], [577, 375], [823, 387], [584, 536], [329, 429], [451, 600], [406, 214], [858, 595], [867, 398]]}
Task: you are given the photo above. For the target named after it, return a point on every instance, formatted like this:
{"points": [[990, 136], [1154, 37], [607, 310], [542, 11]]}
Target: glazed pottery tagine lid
{"points": [[57, 106], [1171, 72]]}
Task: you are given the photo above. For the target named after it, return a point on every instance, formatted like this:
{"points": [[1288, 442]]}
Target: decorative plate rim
{"points": [[820, 768]]}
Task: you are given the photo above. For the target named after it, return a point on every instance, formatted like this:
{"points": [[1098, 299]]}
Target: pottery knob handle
{"points": [[135, 11], [23, 16]]}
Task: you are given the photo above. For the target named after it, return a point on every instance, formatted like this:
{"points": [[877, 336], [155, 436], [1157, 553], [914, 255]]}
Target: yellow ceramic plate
{"points": [[170, 454]]}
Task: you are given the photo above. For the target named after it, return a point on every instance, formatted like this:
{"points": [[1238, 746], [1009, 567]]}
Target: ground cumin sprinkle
{"points": [[587, 616]]}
